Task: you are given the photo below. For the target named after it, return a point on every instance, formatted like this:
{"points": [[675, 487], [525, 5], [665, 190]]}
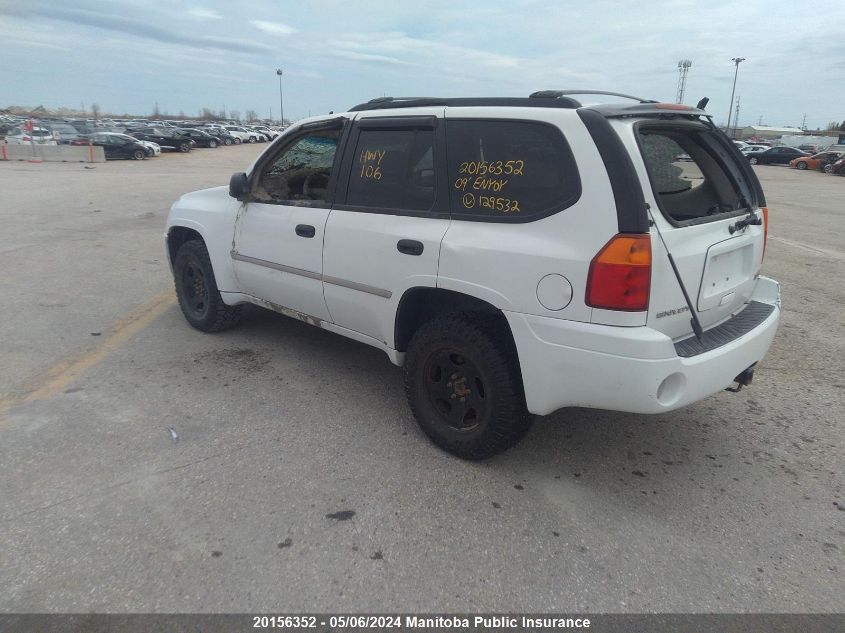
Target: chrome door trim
{"points": [[335, 281]]}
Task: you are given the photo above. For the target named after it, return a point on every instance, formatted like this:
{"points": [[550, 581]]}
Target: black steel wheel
{"points": [[464, 386], [196, 289]]}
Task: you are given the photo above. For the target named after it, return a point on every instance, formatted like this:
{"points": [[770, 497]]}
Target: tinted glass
{"points": [[302, 172], [393, 169], [509, 169]]}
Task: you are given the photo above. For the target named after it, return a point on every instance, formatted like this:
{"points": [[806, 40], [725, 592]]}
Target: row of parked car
{"points": [[137, 140], [830, 161]]}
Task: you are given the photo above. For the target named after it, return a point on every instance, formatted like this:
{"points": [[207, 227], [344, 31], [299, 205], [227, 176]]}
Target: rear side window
{"points": [[393, 169], [509, 171], [693, 181]]}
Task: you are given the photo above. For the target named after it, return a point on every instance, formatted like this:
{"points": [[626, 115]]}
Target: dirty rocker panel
{"points": [[335, 281], [730, 330]]}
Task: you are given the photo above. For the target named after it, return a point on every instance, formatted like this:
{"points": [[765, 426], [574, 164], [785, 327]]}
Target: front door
{"points": [[278, 242]]}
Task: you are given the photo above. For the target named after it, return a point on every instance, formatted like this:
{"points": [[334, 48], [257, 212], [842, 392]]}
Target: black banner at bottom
{"points": [[320, 623]]}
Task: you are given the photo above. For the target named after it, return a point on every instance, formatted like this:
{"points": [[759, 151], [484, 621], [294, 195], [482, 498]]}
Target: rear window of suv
{"points": [[693, 180], [509, 171]]}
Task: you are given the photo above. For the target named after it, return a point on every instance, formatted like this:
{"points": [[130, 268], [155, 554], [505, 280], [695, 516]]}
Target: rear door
{"points": [[695, 203], [384, 232]]}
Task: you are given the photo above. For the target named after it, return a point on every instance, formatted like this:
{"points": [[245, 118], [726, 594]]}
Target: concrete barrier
{"points": [[54, 153]]}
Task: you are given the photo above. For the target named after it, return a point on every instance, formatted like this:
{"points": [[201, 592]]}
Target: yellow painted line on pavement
{"points": [[68, 370]]}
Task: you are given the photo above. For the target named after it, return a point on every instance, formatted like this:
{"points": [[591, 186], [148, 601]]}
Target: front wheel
{"points": [[139, 154], [237, 141], [212, 144], [252, 139], [227, 141], [464, 387], [801, 164], [828, 168], [196, 289], [754, 161], [185, 148]]}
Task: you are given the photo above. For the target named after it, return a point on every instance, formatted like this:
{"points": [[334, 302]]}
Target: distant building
{"points": [[768, 131]]}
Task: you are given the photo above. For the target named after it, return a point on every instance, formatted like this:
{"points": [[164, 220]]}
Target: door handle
{"points": [[305, 230], [410, 247]]}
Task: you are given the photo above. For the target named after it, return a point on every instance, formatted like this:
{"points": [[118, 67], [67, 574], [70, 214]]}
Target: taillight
{"points": [[620, 274], [765, 211], [26, 138]]}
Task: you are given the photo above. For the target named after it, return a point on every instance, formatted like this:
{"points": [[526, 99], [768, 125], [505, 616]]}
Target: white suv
{"points": [[245, 136], [515, 255]]}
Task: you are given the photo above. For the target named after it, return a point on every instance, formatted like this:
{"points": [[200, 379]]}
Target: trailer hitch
{"points": [[742, 380]]}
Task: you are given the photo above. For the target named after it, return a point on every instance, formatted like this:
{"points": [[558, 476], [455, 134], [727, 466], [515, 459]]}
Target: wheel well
{"points": [[419, 305], [177, 236]]}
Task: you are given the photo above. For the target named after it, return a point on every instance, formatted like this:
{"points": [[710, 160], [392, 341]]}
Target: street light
{"points": [[281, 105], [736, 61]]}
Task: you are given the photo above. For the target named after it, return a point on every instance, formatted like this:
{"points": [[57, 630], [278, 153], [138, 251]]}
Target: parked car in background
{"points": [[222, 135], [64, 133], [775, 156], [753, 148], [38, 136], [201, 138], [172, 140], [242, 133], [266, 131], [117, 145], [816, 161], [837, 168]]}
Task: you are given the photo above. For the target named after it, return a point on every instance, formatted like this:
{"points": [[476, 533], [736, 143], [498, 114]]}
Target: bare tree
{"points": [[235, 114], [207, 114], [251, 115], [95, 110]]}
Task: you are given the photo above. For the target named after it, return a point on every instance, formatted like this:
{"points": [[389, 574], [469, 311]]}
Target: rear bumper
{"points": [[632, 369]]}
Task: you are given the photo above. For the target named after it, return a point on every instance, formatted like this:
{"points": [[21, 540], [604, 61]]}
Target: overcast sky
{"points": [[186, 55]]}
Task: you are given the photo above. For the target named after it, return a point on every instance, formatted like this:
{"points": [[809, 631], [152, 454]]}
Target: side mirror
{"points": [[238, 185]]}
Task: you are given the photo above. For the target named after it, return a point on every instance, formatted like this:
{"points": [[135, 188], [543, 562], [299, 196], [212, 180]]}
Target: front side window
{"points": [[509, 170], [691, 181], [393, 169], [301, 174]]}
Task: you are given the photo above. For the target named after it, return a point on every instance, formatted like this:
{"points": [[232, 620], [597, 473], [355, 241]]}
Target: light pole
{"points": [[281, 104], [736, 61]]}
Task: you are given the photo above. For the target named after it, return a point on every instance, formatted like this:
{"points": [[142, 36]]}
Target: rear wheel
{"points": [[753, 161], [464, 386], [212, 143], [828, 168], [185, 148], [237, 141], [252, 139], [801, 164], [227, 141], [197, 291]]}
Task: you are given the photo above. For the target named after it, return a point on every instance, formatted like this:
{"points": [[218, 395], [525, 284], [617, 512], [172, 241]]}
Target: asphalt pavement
{"points": [[145, 466]]}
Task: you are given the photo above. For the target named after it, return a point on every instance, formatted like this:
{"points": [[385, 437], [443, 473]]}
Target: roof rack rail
{"points": [[380, 103], [557, 94]]}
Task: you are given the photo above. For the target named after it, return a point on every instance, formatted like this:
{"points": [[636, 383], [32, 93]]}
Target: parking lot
{"points": [[145, 466]]}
